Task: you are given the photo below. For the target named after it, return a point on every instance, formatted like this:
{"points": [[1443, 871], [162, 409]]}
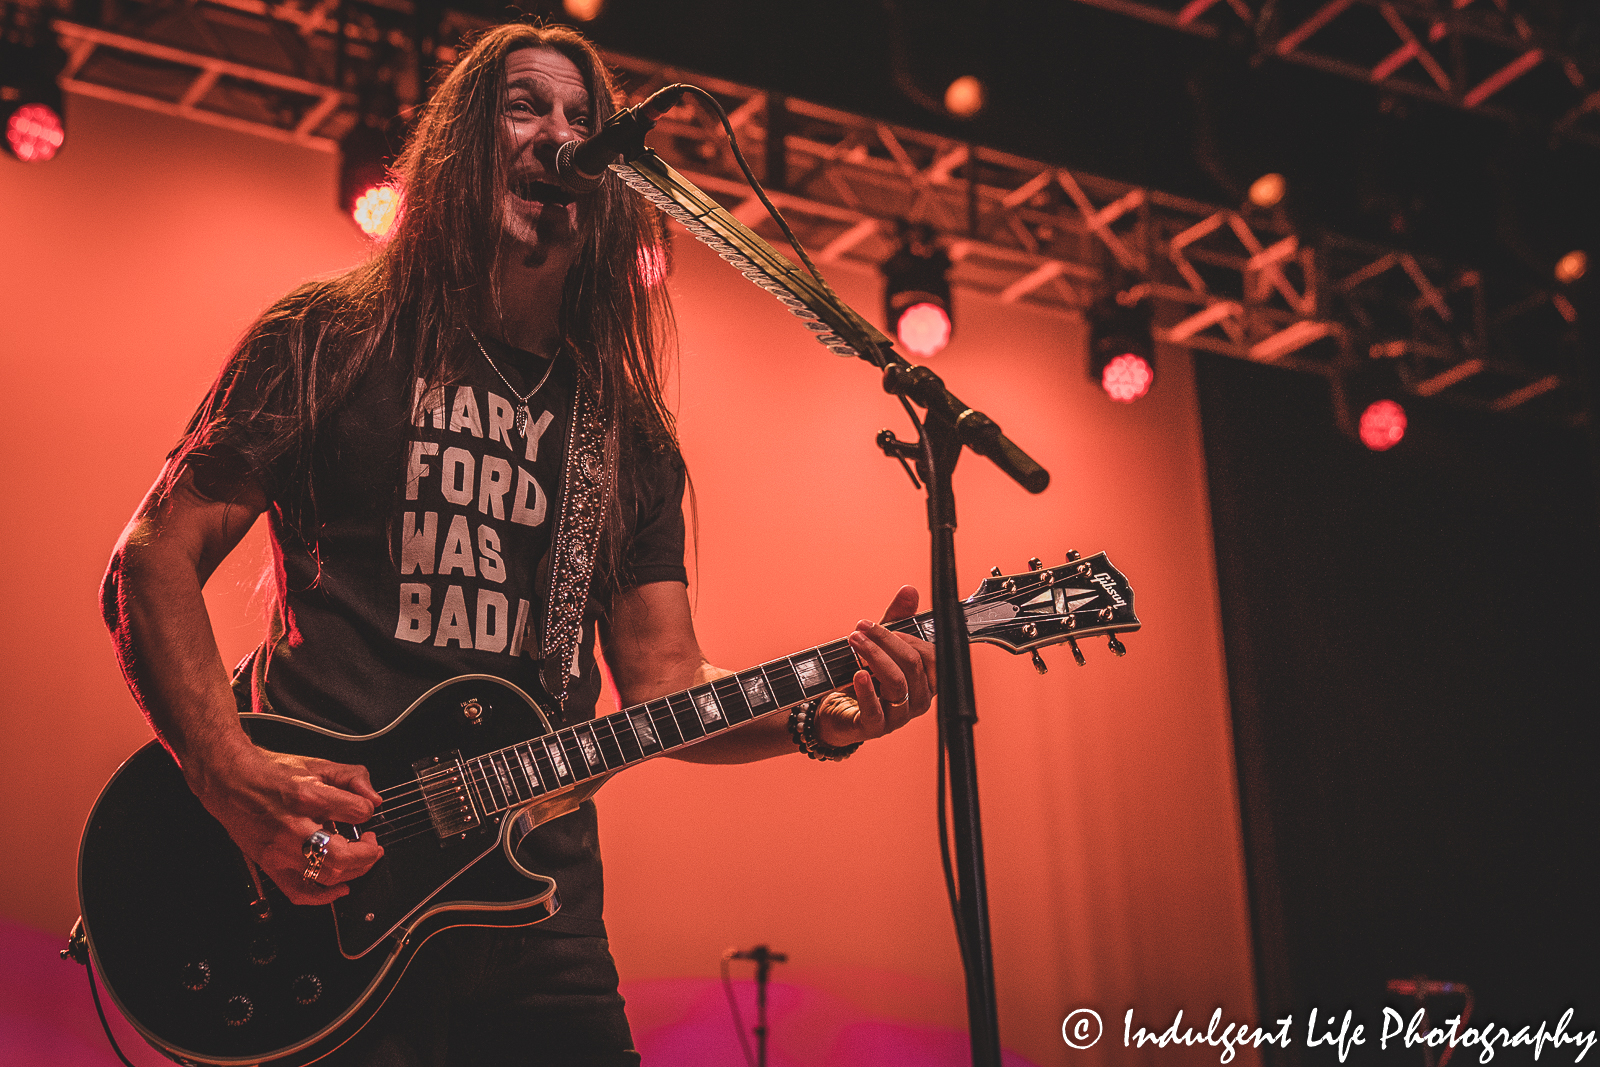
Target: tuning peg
{"points": [[1117, 647], [1073, 555], [994, 572], [1077, 653], [1035, 564], [1038, 662]]}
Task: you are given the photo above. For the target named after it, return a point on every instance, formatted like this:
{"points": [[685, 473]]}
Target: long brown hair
{"points": [[413, 301]]}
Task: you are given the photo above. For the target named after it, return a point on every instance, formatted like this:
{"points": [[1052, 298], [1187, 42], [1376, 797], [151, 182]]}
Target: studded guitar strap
{"points": [[574, 546]]}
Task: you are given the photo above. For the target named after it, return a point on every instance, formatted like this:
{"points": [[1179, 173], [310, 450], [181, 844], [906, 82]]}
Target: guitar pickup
{"points": [[444, 790]]}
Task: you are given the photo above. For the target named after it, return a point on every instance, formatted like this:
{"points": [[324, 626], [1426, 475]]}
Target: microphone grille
{"points": [[567, 172]]}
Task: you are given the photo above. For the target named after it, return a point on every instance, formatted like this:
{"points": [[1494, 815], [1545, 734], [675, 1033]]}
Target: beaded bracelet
{"points": [[804, 728]]}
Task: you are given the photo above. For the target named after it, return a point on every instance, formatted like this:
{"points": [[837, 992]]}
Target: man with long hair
{"points": [[415, 429]]}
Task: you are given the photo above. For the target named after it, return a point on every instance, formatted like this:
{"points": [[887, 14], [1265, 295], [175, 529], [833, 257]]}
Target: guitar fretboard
{"points": [[511, 776]]}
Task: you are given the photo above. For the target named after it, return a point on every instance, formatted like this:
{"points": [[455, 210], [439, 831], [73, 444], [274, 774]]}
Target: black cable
{"points": [[733, 1005], [94, 991], [950, 889], [749, 175]]}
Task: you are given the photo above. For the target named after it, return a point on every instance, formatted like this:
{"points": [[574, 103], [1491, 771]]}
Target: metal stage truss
{"points": [[1230, 280], [1489, 56]]}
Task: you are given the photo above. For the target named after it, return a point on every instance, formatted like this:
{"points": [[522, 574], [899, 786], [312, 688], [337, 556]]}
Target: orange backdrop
{"points": [[131, 263]]}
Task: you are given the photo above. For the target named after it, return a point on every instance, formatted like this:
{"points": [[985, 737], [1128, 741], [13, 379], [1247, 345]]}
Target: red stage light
{"points": [[35, 133], [1127, 378], [375, 210], [1383, 424], [924, 329]]}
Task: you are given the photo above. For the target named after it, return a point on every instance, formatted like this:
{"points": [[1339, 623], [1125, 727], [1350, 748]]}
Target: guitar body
{"points": [[212, 965]]}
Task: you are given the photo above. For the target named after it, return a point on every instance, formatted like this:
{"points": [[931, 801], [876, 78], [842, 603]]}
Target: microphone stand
{"points": [[764, 958], [948, 426]]}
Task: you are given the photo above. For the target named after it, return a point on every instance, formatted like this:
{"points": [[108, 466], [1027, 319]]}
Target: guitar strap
{"points": [[575, 543]]}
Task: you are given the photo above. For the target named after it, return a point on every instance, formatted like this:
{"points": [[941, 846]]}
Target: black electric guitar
{"points": [[212, 964]]}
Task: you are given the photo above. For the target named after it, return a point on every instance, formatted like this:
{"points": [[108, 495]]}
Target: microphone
{"points": [[760, 954], [580, 165]]}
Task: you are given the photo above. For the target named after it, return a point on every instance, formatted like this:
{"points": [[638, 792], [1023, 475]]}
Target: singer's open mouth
{"points": [[542, 192]]}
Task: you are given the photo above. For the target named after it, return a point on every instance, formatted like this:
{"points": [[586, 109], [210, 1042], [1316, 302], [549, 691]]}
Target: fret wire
{"points": [[511, 777], [692, 711], [541, 759], [622, 733], [497, 778], [727, 690], [781, 690], [482, 778], [519, 779], [501, 777], [758, 681], [648, 738], [666, 740], [575, 757], [709, 695], [611, 730], [557, 758], [772, 690], [592, 753], [839, 656], [611, 733], [812, 661], [524, 753], [627, 738]]}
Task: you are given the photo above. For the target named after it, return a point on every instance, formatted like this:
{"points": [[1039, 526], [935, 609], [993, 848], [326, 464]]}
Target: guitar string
{"points": [[842, 654], [834, 659], [395, 833], [389, 819], [411, 794]]}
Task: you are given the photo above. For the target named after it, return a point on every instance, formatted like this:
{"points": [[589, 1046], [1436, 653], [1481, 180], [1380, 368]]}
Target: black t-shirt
{"points": [[408, 587]]}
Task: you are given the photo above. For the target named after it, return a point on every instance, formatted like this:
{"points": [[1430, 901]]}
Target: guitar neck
{"points": [[515, 775]]}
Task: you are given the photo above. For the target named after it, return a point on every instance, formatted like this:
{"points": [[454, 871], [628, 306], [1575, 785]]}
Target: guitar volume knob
{"points": [[307, 989], [263, 950], [195, 976], [238, 1011]]}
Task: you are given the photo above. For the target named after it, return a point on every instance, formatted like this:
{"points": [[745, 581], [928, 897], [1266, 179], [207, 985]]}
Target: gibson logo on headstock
{"points": [[1105, 582]]}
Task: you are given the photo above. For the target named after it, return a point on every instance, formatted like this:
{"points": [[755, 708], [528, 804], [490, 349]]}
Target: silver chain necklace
{"points": [[523, 414]]}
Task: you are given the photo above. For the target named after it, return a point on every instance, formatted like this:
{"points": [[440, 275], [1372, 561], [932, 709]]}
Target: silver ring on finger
{"points": [[316, 846], [901, 705], [315, 849]]}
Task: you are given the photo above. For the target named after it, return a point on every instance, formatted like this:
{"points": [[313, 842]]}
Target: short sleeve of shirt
{"points": [[245, 407], [657, 551]]}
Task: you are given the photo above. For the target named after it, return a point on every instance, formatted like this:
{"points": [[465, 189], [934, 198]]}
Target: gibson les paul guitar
{"points": [[214, 965]]}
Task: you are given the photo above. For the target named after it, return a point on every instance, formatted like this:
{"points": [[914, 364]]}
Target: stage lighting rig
{"points": [[1121, 350], [31, 112], [916, 292], [366, 191], [1366, 395]]}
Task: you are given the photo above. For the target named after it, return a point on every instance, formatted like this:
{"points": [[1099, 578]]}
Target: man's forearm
{"points": [[164, 640]]}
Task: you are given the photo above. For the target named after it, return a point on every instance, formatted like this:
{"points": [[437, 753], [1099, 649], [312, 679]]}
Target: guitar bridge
{"points": [[444, 790]]}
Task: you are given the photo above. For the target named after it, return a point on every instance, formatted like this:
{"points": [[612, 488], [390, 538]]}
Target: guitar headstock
{"points": [[1084, 597]]}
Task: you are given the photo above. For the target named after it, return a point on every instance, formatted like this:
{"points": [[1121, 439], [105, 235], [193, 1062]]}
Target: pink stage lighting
{"points": [[1383, 424], [1127, 378], [924, 329], [35, 133]]}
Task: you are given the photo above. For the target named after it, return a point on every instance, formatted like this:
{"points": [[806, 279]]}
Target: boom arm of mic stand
{"points": [[837, 325]]}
